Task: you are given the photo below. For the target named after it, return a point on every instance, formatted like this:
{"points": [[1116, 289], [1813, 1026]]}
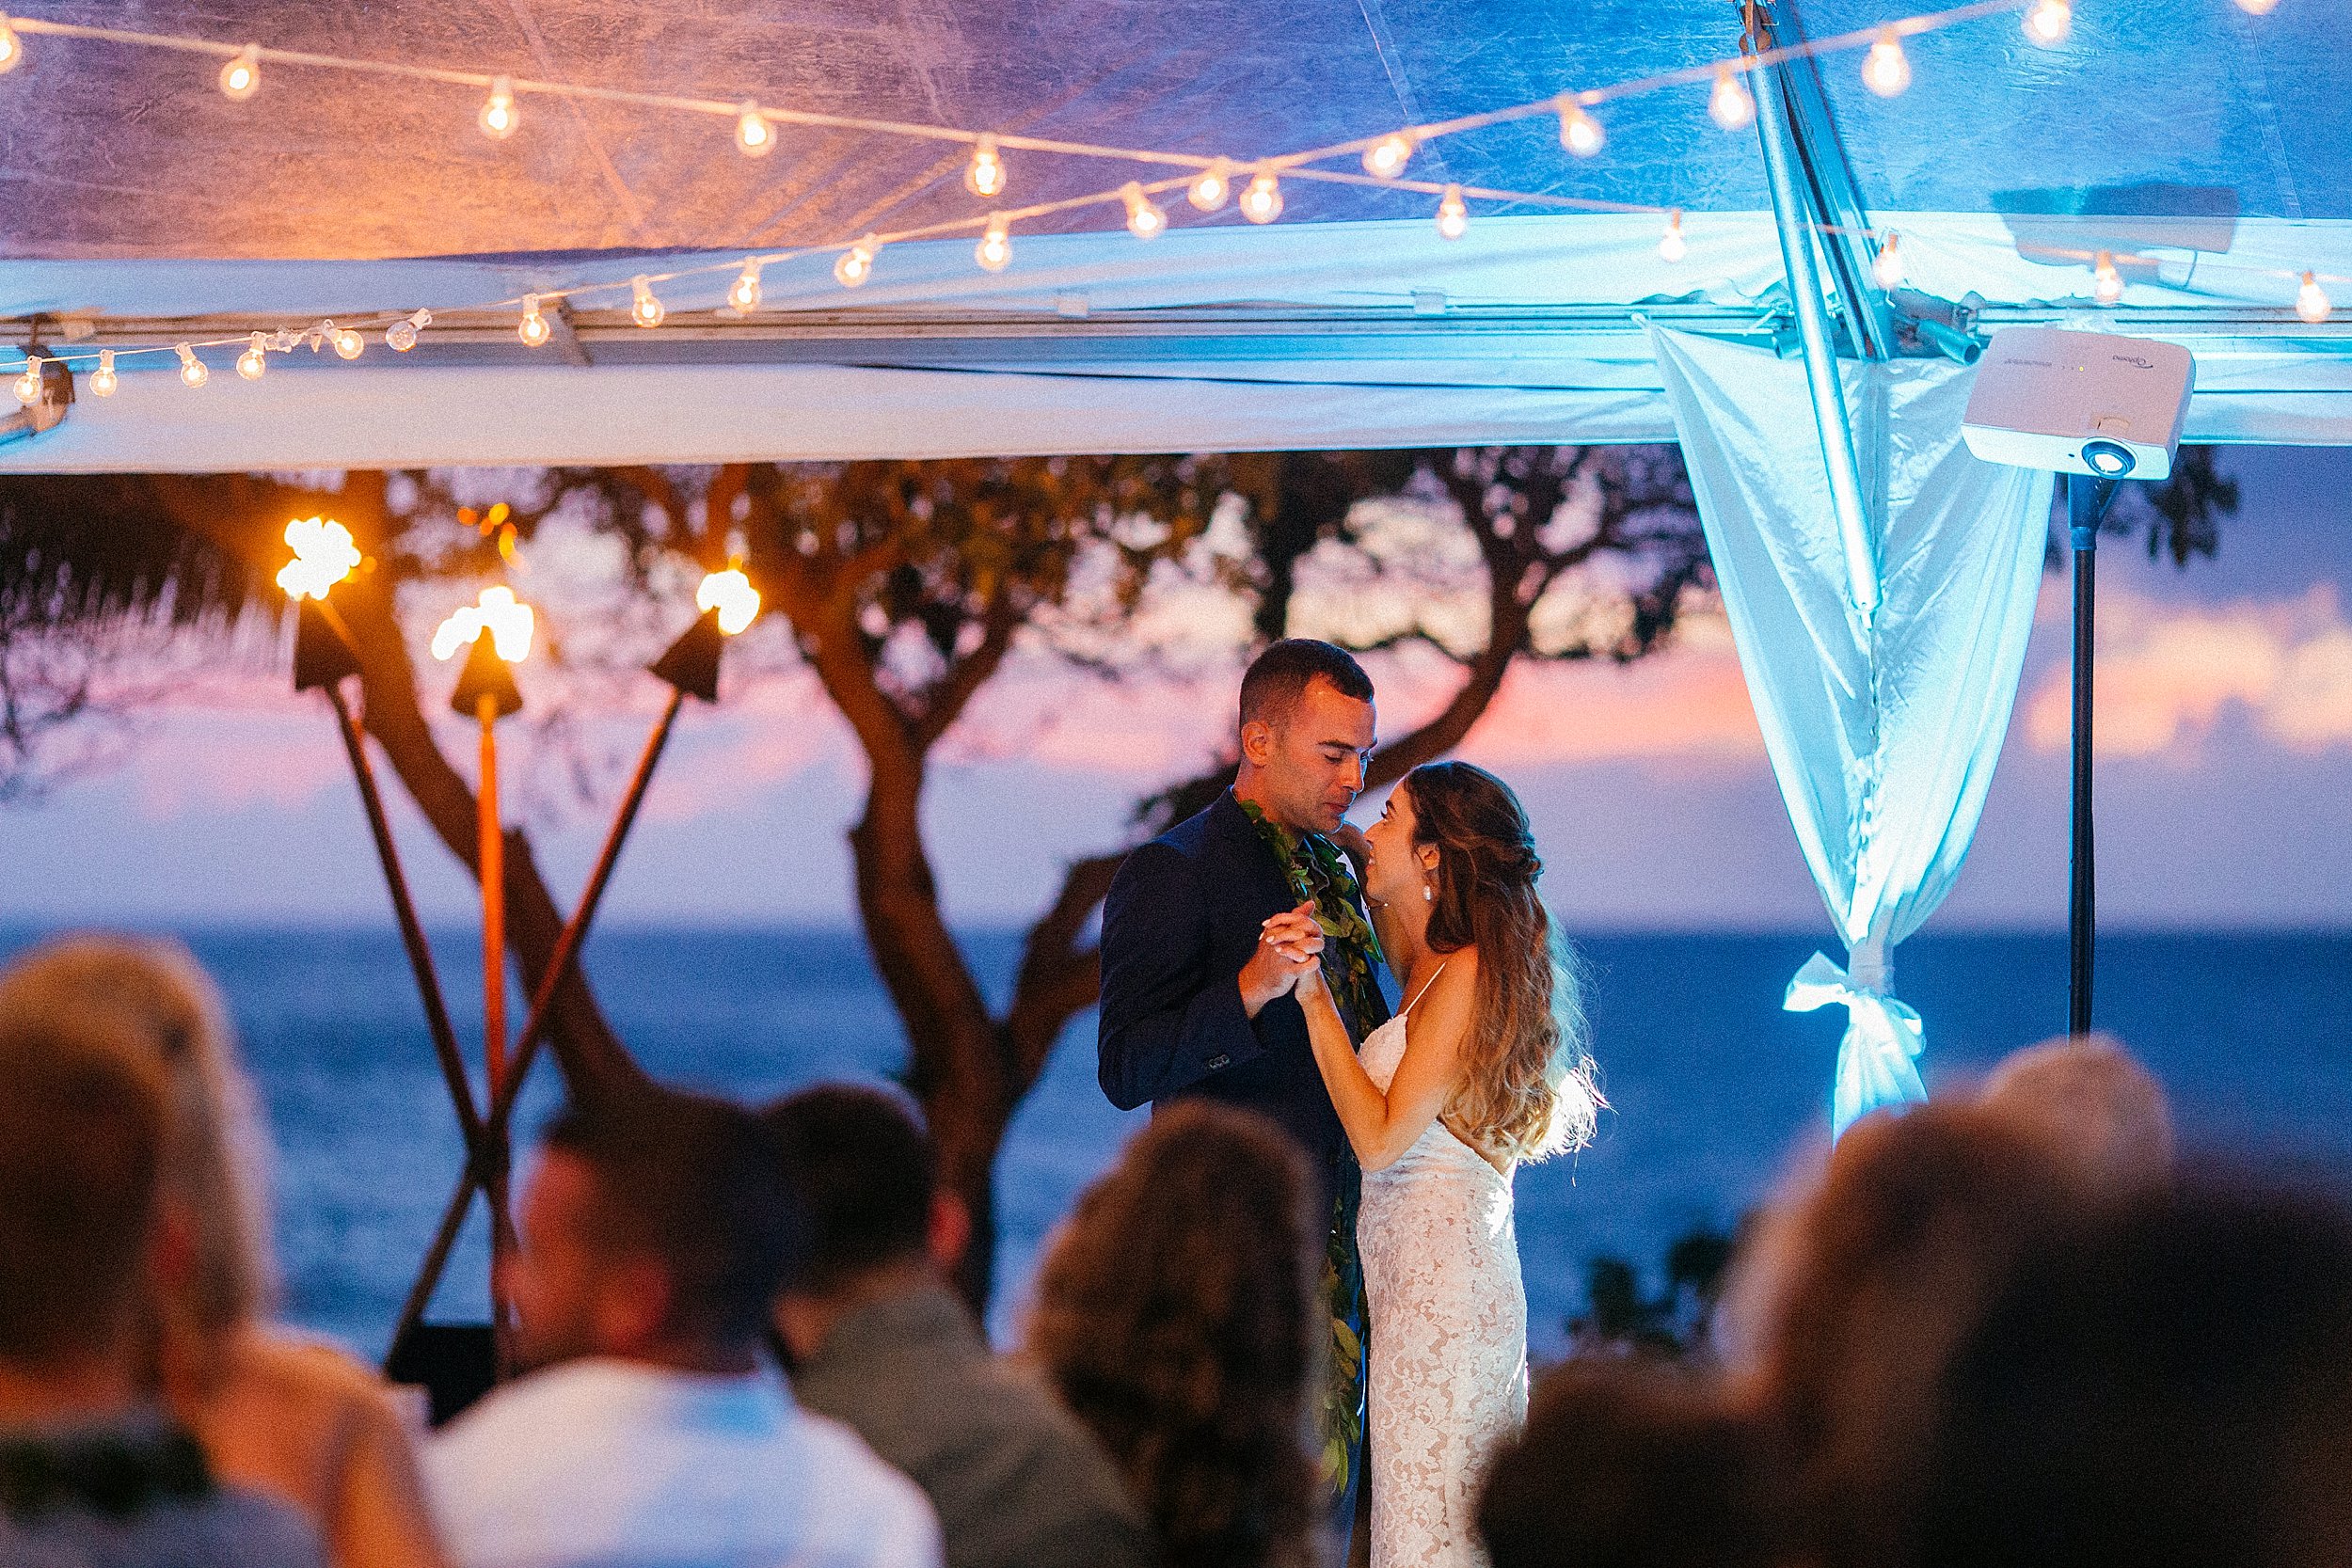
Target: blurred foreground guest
{"points": [[877, 1340], [92, 1475], [1857, 1292], [655, 1231], [1632, 1465], [289, 1416], [2092, 1103], [2174, 1388], [1176, 1314]]}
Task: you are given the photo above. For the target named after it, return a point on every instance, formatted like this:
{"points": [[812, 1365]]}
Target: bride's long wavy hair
{"points": [[1527, 1088]]}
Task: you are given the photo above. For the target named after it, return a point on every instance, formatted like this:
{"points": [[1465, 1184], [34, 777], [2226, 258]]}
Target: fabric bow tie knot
{"points": [[1883, 1035]]}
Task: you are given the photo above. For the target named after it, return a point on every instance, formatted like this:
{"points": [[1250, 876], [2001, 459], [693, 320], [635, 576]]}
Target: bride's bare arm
{"points": [[1381, 1127]]}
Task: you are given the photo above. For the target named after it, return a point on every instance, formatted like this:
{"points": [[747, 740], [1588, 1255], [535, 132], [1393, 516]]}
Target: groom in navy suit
{"points": [[1195, 1002]]}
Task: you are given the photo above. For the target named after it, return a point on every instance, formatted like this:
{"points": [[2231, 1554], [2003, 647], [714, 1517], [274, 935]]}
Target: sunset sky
{"points": [[2225, 778]]}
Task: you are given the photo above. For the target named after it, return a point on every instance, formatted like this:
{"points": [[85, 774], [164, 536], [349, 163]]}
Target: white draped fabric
{"points": [[1883, 738]]}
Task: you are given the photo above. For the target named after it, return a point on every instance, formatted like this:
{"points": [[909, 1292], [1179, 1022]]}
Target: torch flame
{"points": [[731, 594], [324, 556], [499, 612]]}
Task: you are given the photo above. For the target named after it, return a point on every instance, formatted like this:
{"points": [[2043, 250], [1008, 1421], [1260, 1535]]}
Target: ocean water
{"points": [[1714, 1091]]}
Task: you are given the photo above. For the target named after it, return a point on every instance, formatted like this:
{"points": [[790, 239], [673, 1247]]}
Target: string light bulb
{"points": [[2048, 22], [1212, 188], [2311, 300], [255, 360], [192, 370], [1888, 266], [1670, 246], [28, 384], [1387, 157], [535, 330], [499, 116], [856, 264], [995, 248], [241, 78], [985, 174], [1146, 219], [402, 335], [102, 380], [2107, 284], [347, 341], [1579, 133], [755, 134], [1730, 104], [1262, 201], [743, 294], [1886, 70], [1453, 214], [644, 309], [2258, 7], [11, 47]]}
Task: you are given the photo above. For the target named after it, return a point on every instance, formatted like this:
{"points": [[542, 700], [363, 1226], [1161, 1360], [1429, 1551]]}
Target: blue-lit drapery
{"points": [[1883, 737]]}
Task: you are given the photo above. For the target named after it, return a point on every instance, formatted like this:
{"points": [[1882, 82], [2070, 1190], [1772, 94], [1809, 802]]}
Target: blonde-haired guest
{"points": [[284, 1416]]}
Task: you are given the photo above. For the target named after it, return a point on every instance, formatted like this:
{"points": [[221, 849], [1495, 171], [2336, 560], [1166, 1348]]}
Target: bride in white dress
{"points": [[1484, 1067]]}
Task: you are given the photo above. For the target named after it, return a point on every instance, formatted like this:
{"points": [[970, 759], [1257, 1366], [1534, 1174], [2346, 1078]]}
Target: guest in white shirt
{"points": [[653, 1234]]}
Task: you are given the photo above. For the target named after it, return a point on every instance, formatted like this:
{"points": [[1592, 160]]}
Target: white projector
{"points": [[2079, 403]]}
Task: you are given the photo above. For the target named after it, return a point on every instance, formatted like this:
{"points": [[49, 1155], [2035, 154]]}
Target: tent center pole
{"points": [[2087, 501]]}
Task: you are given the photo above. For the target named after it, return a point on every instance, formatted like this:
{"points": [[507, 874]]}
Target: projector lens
{"points": [[2108, 458]]}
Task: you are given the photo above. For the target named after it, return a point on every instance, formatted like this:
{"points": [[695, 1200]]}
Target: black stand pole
{"points": [[2087, 501]]}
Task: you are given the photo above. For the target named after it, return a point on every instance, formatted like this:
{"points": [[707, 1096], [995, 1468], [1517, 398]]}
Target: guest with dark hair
{"points": [[2171, 1388], [91, 1474], [654, 1233], [2092, 1105], [1176, 1316], [1625, 1465], [879, 1342]]}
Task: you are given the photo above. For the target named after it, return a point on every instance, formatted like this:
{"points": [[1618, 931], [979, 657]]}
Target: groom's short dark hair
{"points": [[1281, 676]]}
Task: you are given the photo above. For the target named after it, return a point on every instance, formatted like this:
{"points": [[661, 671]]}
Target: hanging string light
{"points": [[1214, 187], [255, 360], [1888, 266], [192, 370], [2311, 301], [2107, 284], [1262, 201], [1886, 70], [498, 118], [345, 340], [1388, 156], [241, 78], [28, 384], [102, 380], [2048, 22], [1146, 219], [1579, 133], [856, 264], [402, 335], [755, 135], [2258, 7], [1671, 247], [11, 48], [535, 330], [743, 294], [644, 309], [1453, 216], [995, 248], [985, 174], [1730, 104]]}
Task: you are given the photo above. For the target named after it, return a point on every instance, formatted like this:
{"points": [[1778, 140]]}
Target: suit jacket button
{"points": [[1218, 1061]]}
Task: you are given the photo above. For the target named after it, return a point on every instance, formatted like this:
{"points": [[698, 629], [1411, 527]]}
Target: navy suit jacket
{"points": [[1182, 919]]}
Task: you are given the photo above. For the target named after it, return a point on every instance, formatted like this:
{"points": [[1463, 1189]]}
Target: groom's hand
{"points": [[1290, 943]]}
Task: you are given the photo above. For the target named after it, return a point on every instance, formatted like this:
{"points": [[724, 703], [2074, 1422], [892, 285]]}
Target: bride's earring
{"points": [[1429, 894]]}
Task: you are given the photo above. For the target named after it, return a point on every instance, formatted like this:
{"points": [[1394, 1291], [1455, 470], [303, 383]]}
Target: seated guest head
{"points": [[1629, 1465], [213, 1272], [656, 1229], [1857, 1292], [1175, 1313], [866, 1175], [82, 1124], [2092, 1105], [2173, 1386]]}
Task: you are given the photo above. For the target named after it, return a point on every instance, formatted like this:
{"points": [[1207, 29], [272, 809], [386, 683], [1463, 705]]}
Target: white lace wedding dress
{"points": [[1448, 1332]]}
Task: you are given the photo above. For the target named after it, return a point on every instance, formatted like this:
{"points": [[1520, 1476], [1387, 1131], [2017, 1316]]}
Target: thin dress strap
{"points": [[1424, 988]]}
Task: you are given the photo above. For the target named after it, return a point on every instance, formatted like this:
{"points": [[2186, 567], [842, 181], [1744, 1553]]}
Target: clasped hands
{"points": [[1289, 958]]}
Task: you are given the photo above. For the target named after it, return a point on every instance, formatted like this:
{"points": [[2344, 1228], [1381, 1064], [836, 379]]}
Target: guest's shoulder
{"points": [[870, 1502], [301, 1371], [534, 1414]]}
